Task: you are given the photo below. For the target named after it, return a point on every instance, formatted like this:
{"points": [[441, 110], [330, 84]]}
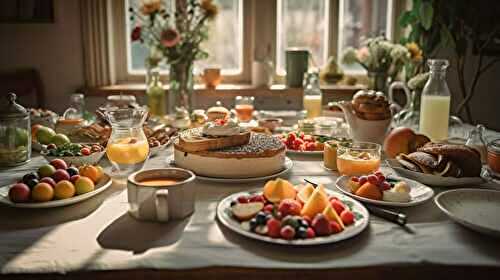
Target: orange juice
{"points": [[356, 166], [127, 151]]}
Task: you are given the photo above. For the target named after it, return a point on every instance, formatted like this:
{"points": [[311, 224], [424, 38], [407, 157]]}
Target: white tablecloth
{"points": [[98, 234]]}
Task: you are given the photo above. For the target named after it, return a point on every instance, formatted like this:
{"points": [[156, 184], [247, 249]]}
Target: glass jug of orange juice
{"points": [[127, 148]]}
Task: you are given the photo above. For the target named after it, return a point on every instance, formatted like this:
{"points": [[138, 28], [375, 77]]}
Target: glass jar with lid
{"points": [[15, 133]]}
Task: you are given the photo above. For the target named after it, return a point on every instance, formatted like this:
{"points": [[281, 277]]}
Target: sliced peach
{"points": [[316, 203], [369, 190], [305, 193], [279, 189]]}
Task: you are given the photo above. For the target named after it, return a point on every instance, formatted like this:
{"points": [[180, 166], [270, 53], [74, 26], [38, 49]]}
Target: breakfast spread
{"points": [[447, 160], [371, 105], [285, 211], [222, 149], [55, 181], [377, 187], [301, 142]]}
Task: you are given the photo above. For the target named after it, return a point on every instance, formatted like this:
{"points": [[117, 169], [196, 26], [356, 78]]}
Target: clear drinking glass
{"points": [[358, 158], [127, 148], [244, 108]]}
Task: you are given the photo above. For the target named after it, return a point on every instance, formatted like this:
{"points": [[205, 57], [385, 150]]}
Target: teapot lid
{"points": [[13, 109]]}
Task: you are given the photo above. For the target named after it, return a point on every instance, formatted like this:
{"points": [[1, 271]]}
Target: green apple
{"points": [[46, 170], [60, 139], [44, 135]]}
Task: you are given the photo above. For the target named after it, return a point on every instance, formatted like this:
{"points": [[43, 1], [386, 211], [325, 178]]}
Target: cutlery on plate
{"points": [[388, 215]]}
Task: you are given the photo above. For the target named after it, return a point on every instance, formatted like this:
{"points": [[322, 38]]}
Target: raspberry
{"points": [[269, 208], [335, 227], [310, 232]]}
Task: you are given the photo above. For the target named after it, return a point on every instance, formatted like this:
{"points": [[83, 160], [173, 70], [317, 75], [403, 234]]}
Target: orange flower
{"points": [[170, 37], [210, 8], [415, 51], [150, 6]]}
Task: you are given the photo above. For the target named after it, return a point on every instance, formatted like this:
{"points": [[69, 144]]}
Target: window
{"points": [[302, 24], [246, 30], [360, 19], [224, 45]]}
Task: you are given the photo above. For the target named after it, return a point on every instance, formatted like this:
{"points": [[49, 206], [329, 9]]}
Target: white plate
{"points": [[419, 193], [103, 184], [223, 214], [306, 153], [433, 180], [476, 209], [288, 166]]}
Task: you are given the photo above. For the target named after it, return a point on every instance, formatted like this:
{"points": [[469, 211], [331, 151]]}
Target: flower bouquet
{"points": [[174, 33], [380, 57]]}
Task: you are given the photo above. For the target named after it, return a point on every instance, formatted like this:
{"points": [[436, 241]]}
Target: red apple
{"points": [[19, 193], [399, 140], [59, 163], [60, 174], [49, 181]]}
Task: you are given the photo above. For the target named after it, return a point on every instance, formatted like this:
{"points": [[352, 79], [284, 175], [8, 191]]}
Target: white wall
{"points": [[54, 49]]}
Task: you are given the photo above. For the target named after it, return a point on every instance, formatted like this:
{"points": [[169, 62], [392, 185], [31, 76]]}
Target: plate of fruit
{"points": [[75, 153], [302, 215], [387, 191], [55, 184], [304, 144]]}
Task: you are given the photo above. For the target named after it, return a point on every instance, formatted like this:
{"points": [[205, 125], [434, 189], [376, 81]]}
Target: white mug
{"points": [[161, 203]]}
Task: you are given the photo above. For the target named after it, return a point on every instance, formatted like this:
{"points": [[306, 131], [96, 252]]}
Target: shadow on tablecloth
{"points": [[129, 234]]}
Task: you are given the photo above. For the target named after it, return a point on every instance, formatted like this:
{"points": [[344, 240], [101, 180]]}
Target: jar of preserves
{"points": [[15, 133], [494, 157]]}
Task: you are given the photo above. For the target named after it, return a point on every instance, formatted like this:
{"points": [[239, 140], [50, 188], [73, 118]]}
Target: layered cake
{"points": [[239, 154]]}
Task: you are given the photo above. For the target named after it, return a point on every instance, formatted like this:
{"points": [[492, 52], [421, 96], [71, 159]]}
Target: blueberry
{"points": [[29, 176], [32, 183], [253, 224], [233, 203], [261, 218], [72, 171], [303, 223], [301, 232]]}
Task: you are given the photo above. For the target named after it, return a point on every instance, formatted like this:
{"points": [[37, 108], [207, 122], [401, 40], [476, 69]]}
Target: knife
{"points": [[388, 215]]}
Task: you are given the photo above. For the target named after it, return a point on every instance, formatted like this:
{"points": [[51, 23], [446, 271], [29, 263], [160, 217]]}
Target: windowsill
{"points": [[223, 89]]}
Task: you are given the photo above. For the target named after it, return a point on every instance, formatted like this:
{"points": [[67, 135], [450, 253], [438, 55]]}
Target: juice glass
{"points": [[359, 158], [244, 108], [127, 148]]}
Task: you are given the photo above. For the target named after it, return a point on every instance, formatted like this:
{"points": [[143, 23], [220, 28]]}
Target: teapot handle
{"points": [[401, 85]]}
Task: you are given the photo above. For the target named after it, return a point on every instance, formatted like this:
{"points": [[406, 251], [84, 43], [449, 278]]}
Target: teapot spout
{"points": [[346, 107]]}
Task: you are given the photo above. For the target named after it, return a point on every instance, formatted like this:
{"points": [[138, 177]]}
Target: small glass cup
{"points": [[493, 157], [212, 77], [358, 158], [244, 108]]}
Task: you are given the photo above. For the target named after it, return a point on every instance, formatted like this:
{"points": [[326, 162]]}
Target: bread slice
{"points": [[194, 141]]}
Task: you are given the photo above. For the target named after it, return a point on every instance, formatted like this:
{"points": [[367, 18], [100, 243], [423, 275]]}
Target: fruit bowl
{"points": [[101, 186], [227, 216], [91, 159]]}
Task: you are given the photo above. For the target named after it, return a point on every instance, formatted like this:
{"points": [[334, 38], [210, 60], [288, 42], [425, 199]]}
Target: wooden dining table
{"points": [[98, 239]]}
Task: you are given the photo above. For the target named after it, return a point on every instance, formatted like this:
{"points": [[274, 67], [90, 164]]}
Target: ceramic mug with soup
{"points": [[161, 194]]}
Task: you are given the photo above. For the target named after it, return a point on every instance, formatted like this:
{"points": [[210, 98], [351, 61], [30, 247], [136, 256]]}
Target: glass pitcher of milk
{"points": [[435, 102], [312, 95]]}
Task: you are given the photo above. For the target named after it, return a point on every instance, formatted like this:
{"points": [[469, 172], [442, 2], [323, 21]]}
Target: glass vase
{"points": [[378, 81], [181, 87]]}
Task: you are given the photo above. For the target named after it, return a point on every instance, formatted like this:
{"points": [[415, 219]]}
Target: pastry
{"points": [[467, 158], [217, 112], [263, 155], [371, 105]]}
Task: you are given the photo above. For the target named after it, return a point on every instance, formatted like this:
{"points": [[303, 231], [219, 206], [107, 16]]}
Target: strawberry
{"points": [[335, 227], [273, 228], [287, 232], [347, 217], [242, 199], [269, 208], [321, 225], [310, 232], [289, 207], [337, 205]]}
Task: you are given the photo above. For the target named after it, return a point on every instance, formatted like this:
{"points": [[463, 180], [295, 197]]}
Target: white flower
{"points": [[400, 54]]}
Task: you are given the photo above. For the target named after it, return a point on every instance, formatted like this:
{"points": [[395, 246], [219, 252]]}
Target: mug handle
{"points": [[405, 89], [161, 205]]}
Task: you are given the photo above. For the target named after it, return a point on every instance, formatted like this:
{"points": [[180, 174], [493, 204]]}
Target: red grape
{"points": [[355, 179], [385, 186], [363, 179], [373, 179]]}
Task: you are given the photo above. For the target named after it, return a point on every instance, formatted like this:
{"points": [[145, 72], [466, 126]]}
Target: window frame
{"points": [[257, 35]]}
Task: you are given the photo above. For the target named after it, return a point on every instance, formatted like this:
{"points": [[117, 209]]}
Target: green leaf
{"points": [[357, 215], [426, 13], [404, 19], [348, 204], [447, 39]]}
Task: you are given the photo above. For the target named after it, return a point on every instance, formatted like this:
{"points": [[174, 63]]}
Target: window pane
{"points": [[302, 24], [224, 44], [361, 19]]}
